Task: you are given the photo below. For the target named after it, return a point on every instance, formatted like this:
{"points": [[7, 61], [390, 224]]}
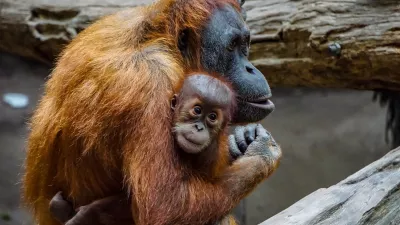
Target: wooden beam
{"points": [[370, 196]]}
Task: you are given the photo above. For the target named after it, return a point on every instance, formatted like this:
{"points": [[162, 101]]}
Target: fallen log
{"points": [[341, 44], [370, 196]]}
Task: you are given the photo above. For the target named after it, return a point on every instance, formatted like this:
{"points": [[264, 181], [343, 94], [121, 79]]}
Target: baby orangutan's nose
{"points": [[199, 127]]}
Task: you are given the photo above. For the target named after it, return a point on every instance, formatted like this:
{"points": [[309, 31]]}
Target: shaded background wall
{"points": [[325, 135]]}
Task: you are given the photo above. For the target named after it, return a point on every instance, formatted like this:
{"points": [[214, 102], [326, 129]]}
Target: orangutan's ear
{"points": [[174, 102]]}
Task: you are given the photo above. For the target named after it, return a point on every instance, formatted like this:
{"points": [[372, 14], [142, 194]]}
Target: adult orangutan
{"points": [[103, 125]]}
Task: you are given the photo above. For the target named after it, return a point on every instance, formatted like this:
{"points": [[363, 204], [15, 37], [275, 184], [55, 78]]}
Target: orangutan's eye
{"points": [[212, 117], [197, 110], [233, 44]]}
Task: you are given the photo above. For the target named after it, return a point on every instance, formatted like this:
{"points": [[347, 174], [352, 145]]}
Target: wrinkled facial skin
{"points": [[193, 135], [194, 130], [201, 112], [225, 48]]}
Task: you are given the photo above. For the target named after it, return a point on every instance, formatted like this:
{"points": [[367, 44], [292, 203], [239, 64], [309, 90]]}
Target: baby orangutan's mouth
{"points": [[188, 145], [194, 141]]}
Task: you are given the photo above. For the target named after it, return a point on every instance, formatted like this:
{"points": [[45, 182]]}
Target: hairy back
{"points": [[102, 90]]}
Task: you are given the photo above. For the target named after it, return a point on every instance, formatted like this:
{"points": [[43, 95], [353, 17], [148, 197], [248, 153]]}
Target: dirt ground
{"points": [[325, 135]]}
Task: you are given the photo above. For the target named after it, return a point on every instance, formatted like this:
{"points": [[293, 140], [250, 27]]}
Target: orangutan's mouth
{"points": [[263, 103]]}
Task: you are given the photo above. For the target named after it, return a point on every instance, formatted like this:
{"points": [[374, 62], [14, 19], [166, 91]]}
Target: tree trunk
{"points": [[370, 196], [295, 43]]}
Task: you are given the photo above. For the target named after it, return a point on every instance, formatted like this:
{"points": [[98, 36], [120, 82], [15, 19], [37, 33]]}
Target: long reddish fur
{"points": [[104, 126]]}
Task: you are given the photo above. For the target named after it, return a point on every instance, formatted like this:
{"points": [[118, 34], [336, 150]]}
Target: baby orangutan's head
{"points": [[203, 108]]}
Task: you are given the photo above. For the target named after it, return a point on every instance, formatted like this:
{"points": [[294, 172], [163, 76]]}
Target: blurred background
{"points": [[325, 134]]}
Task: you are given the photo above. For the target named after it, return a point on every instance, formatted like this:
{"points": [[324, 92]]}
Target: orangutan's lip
{"points": [[191, 141], [263, 102], [259, 100], [267, 104]]}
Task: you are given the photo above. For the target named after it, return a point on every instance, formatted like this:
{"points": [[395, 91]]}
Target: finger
{"points": [[248, 137], [240, 139], [260, 131], [233, 148], [250, 133], [272, 140], [79, 219]]}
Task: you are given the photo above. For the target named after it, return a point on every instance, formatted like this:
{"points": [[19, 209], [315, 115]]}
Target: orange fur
{"points": [[104, 123]]}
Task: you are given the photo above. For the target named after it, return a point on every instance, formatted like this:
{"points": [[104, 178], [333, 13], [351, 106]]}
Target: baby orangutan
{"points": [[202, 111]]}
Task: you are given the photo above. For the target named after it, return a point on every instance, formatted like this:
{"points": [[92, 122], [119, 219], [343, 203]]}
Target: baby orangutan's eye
{"points": [[212, 117], [197, 110]]}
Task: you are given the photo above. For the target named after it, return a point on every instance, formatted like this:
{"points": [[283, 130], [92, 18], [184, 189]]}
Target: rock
{"points": [[16, 100]]}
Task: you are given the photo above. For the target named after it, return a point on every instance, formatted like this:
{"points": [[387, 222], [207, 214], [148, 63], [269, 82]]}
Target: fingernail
{"points": [[242, 146]]}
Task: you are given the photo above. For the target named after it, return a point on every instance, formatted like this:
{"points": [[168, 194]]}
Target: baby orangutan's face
{"points": [[201, 112]]}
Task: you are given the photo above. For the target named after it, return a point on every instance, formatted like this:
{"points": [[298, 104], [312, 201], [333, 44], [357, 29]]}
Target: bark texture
{"points": [[298, 40], [370, 196], [39, 29], [344, 44]]}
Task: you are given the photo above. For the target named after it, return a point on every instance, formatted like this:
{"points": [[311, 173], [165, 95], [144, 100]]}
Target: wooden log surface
{"points": [[298, 35], [370, 196], [291, 39], [39, 29]]}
